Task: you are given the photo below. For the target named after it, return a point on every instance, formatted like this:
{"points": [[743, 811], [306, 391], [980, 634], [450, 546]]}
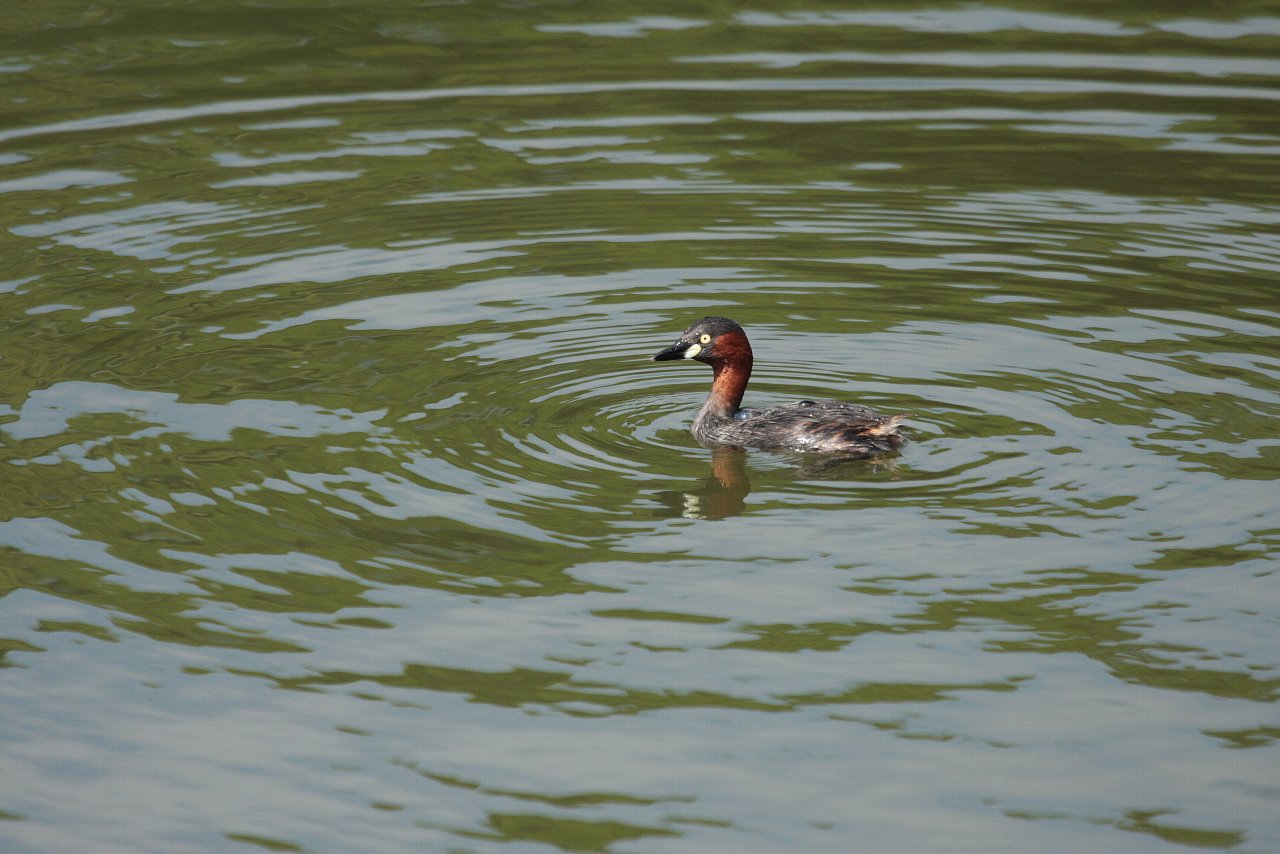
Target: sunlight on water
{"points": [[344, 510]]}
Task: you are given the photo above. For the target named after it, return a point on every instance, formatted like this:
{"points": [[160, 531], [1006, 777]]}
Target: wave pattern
{"points": [[326, 370]]}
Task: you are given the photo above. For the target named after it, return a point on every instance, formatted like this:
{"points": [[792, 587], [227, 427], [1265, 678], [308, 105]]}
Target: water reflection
{"points": [[721, 494], [337, 487]]}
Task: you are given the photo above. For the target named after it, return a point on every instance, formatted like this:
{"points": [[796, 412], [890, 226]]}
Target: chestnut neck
{"points": [[732, 367]]}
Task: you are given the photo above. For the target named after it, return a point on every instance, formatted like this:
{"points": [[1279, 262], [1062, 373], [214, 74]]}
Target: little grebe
{"points": [[830, 426]]}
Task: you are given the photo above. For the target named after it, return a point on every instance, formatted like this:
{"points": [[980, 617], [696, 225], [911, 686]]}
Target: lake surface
{"points": [[342, 510]]}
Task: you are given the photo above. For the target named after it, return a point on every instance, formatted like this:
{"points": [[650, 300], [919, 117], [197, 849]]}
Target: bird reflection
{"points": [[718, 496], [724, 492]]}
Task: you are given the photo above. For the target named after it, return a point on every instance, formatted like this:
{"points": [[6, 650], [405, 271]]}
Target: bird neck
{"points": [[730, 383]]}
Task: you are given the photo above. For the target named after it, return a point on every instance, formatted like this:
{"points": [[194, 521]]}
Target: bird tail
{"points": [[889, 426]]}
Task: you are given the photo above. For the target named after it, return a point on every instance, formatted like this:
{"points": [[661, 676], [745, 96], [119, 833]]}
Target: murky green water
{"points": [[341, 510]]}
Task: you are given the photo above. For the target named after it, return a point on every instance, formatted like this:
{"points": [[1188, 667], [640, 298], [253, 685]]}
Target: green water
{"points": [[342, 510]]}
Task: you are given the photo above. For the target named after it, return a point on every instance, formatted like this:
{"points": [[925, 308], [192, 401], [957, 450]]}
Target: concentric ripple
{"points": [[344, 510]]}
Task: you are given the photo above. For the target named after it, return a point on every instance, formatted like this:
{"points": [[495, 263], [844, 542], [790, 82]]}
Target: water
{"points": [[342, 510]]}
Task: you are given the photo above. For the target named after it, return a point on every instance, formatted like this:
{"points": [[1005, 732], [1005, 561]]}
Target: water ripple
{"points": [[327, 370]]}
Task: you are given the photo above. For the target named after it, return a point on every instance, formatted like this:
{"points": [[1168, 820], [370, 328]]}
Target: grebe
{"points": [[829, 426]]}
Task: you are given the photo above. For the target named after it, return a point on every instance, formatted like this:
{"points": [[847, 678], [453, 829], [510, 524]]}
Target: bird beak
{"points": [[678, 350]]}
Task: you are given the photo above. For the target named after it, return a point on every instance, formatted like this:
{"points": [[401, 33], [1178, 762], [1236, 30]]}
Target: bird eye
{"points": [[704, 338]]}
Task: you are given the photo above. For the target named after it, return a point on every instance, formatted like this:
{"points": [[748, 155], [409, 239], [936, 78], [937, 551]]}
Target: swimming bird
{"points": [[825, 426]]}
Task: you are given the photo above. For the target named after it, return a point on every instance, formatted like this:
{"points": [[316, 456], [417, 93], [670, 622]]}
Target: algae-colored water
{"points": [[341, 510]]}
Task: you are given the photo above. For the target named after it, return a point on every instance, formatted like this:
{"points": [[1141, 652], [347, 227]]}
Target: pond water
{"points": [[342, 509]]}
